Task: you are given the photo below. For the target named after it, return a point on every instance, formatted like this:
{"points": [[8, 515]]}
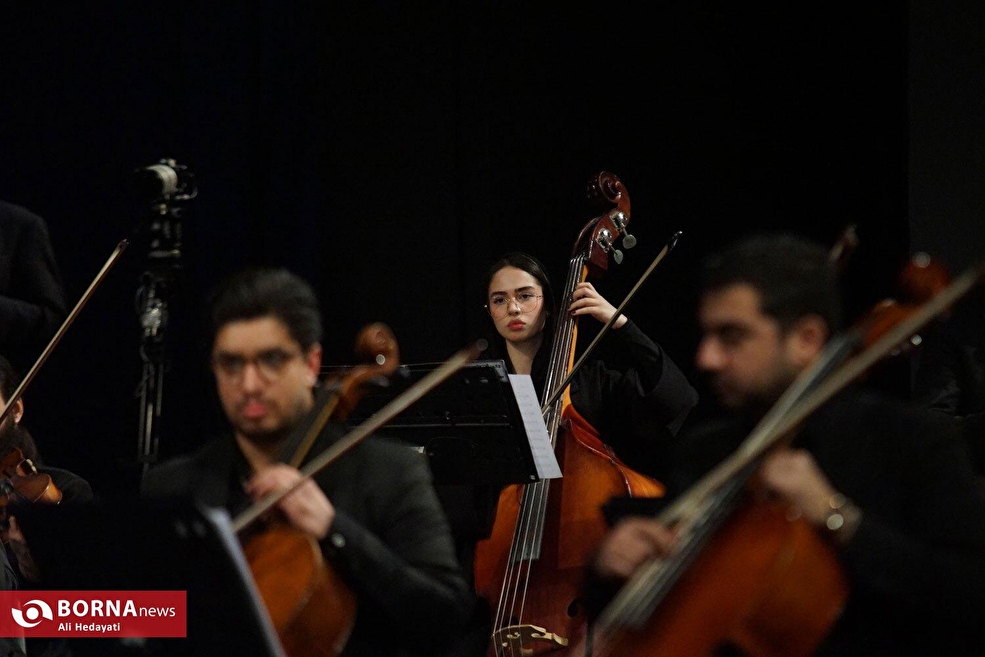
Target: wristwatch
{"points": [[842, 519]]}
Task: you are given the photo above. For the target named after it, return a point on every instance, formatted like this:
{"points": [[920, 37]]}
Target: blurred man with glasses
{"points": [[374, 511]]}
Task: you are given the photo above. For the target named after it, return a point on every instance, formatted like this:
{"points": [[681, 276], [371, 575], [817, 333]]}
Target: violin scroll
{"points": [[922, 278], [377, 347], [919, 281]]}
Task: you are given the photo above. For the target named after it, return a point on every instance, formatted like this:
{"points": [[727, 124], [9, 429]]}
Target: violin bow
{"points": [[361, 432], [612, 320], [114, 256], [843, 248]]}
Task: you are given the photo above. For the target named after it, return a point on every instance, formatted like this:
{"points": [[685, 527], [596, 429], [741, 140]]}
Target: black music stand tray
{"points": [[155, 545], [469, 426]]}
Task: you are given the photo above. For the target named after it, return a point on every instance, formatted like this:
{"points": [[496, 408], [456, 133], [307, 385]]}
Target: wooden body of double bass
{"points": [[573, 527], [531, 568]]}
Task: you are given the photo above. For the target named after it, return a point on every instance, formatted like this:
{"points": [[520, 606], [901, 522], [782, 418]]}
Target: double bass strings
{"points": [[558, 390], [528, 533]]}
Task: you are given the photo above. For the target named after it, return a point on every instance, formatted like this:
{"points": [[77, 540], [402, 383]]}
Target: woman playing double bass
{"points": [[871, 518], [638, 408], [531, 566]]}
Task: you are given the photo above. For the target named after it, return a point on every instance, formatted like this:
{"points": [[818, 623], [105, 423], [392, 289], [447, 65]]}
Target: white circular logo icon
{"points": [[33, 611]]}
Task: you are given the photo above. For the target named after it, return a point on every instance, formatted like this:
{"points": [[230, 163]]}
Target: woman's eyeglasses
{"points": [[500, 304]]}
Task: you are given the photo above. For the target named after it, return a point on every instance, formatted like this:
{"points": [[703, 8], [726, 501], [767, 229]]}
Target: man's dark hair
{"points": [[267, 292], [793, 276]]}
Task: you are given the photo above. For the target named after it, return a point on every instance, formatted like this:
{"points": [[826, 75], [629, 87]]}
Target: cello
{"points": [[531, 567], [748, 575], [311, 607], [313, 611]]}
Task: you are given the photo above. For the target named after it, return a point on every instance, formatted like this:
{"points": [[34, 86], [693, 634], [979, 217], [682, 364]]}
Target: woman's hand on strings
{"points": [[306, 508], [585, 300], [631, 543]]}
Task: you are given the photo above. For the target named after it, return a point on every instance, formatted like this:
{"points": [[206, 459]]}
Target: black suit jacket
{"points": [[32, 300], [390, 539]]}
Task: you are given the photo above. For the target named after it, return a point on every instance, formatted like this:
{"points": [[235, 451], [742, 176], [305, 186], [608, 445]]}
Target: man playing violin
{"points": [[890, 487], [19, 568], [373, 512]]}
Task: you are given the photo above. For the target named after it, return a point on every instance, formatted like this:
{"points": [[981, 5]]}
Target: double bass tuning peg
{"points": [[607, 241], [620, 221]]}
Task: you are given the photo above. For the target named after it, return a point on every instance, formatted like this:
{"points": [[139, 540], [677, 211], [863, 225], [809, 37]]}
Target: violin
{"points": [[20, 481], [532, 565], [311, 607], [747, 575]]}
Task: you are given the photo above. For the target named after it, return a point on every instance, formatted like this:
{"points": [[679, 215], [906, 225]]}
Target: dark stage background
{"points": [[388, 152]]}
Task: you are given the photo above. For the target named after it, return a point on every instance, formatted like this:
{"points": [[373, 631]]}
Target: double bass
{"points": [[531, 567]]}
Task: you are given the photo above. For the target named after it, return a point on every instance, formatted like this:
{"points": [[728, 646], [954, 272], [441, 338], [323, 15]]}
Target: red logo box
{"points": [[93, 614]]}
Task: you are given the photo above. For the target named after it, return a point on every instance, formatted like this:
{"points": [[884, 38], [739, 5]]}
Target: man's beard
{"points": [[755, 403], [272, 437], [264, 438]]}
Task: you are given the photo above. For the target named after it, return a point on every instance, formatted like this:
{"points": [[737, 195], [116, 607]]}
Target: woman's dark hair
{"points": [[266, 292], [532, 266]]}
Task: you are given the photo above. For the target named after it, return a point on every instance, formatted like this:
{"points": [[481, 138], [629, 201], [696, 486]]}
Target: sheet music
{"points": [[533, 423]]}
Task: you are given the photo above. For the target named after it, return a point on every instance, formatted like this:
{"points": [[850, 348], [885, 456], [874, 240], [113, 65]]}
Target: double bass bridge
{"points": [[510, 640]]}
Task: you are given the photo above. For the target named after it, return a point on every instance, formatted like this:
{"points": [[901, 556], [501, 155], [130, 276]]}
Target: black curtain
{"points": [[389, 152]]}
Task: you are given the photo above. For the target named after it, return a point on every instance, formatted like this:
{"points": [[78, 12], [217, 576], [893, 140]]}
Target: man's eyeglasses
{"points": [[270, 364], [500, 304]]}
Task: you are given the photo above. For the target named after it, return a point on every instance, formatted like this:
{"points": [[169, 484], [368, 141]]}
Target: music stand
{"points": [[155, 545], [470, 426]]}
